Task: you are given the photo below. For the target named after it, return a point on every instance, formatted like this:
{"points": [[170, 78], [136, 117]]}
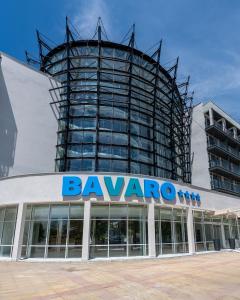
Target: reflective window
{"points": [[170, 231], [102, 111], [118, 231], [53, 231], [8, 217]]}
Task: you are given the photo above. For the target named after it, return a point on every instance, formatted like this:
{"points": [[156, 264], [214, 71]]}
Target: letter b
{"points": [[71, 186]]}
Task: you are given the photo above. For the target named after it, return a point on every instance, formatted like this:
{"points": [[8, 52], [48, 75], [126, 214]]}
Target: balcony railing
{"points": [[224, 147], [225, 131], [226, 166], [225, 186]]}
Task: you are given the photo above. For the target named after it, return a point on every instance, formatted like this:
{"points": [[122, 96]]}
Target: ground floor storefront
{"points": [[110, 230], [103, 217]]}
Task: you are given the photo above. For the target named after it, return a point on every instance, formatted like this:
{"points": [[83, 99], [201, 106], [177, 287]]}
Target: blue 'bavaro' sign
{"points": [[72, 186]]}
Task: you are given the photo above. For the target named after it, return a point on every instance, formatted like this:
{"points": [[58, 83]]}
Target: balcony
{"points": [[221, 149], [217, 130], [224, 168], [226, 187]]}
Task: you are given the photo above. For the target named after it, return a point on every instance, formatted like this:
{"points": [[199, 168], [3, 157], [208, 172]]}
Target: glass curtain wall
{"points": [[170, 231], [53, 231], [208, 228], [118, 231], [8, 217], [121, 112]]}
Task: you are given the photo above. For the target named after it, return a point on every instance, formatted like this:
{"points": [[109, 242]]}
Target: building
{"points": [[104, 157], [218, 142]]}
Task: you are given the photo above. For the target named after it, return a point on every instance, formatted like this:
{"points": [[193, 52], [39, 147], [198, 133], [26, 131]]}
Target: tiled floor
{"points": [[210, 276]]}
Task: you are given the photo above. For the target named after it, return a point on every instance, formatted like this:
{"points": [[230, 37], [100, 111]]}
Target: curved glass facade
{"points": [[119, 111]]}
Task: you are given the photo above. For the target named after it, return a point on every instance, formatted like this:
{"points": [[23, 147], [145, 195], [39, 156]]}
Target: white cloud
{"points": [[217, 82], [86, 17]]}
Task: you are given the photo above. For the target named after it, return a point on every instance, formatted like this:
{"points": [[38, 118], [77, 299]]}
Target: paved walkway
{"points": [[210, 276]]}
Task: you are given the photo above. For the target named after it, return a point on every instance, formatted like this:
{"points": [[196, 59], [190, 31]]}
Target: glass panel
{"points": [[59, 211], [117, 232], [8, 233], [1, 228], [5, 251], [40, 212], [76, 211], [208, 232], [157, 232], [56, 252], [166, 214], [75, 232], [37, 252], [98, 251], [177, 214], [137, 250], [157, 213], [39, 233], [117, 251], [178, 233], [74, 252], [234, 232], [2, 212], [166, 232], [99, 232], [137, 212], [10, 214], [167, 249], [136, 232], [198, 232], [118, 211], [58, 232], [100, 211]]}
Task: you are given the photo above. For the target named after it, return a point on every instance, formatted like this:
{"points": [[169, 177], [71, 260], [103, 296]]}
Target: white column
{"points": [[151, 230], [223, 236], [235, 132], [190, 231], [211, 116], [224, 125], [86, 230], [19, 230]]}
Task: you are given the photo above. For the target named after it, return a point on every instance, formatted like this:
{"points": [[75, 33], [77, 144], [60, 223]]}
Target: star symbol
{"points": [[193, 196], [180, 194], [198, 198]]}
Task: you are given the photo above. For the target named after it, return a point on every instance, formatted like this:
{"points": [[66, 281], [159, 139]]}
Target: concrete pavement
{"points": [[208, 276]]}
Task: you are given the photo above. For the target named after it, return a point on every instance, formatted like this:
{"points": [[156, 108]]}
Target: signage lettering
{"points": [[72, 186]]}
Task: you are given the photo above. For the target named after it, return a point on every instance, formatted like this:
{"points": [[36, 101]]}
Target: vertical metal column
{"points": [[130, 59], [68, 95], [99, 30], [154, 109]]}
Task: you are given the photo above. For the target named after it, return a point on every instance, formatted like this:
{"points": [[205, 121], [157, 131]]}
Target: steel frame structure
{"points": [[142, 87]]}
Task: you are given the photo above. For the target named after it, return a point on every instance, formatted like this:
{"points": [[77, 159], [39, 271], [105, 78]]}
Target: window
{"points": [[170, 231], [118, 231], [8, 217], [53, 231]]}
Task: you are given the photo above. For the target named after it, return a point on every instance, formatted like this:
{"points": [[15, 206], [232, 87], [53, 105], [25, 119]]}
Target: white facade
{"points": [[215, 146], [200, 164], [27, 123], [42, 189]]}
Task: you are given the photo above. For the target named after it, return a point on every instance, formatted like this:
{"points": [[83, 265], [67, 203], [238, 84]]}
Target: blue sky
{"points": [[204, 33]]}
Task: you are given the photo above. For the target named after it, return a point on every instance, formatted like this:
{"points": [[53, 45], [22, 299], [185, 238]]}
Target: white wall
{"points": [[200, 163], [42, 188], [27, 123]]}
